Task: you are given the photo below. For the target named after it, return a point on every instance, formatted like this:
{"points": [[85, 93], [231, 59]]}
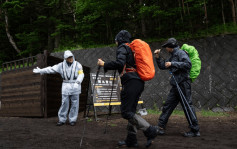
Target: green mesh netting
{"points": [[195, 60]]}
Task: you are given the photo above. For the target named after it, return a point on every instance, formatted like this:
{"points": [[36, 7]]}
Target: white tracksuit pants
{"points": [[63, 111]]}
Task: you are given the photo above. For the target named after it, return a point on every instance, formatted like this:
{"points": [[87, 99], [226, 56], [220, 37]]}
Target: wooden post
{"points": [[45, 85], [28, 62], [41, 63], [3, 68], [14, 64]]}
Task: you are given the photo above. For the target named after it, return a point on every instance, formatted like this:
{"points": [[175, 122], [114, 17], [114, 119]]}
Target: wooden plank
{"points": [[26, 109], [22, 102], [19, 82], [19, 77], [18, 74], [21, 94], [20, 89]]}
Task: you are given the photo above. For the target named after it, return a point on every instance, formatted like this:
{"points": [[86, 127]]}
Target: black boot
{"points": [[151, 133], [124, 143], [131, 141], [161, 131], [60, 124]]}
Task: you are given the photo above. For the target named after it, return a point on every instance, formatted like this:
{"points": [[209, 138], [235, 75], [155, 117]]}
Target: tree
{"points": [[11, 40], [233, 11]]}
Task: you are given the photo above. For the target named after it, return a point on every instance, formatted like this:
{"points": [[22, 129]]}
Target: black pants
{"points": [[173, 100], [130, 94]]}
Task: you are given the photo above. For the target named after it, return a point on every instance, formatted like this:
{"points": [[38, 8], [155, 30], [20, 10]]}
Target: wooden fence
{"points": [[24, 93]]}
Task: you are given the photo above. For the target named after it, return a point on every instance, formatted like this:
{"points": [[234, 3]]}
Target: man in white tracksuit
{"points": [[72, 74]]}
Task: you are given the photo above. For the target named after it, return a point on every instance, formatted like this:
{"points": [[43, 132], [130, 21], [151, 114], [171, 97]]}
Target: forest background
{"points": [[28, 27]]}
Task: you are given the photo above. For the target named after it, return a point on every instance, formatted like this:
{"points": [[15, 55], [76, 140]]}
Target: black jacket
{"points": [[180, 65], [124, 56]]}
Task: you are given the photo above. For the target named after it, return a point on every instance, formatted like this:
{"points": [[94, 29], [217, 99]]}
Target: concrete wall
{"points": [[215, 88]]}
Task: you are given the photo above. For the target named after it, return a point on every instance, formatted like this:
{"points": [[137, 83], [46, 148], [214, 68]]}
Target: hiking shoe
{"points": [[192, 134], [161, 131], [149, 142], [123, 143], [151, 133], [73, 123], [60, 124]]}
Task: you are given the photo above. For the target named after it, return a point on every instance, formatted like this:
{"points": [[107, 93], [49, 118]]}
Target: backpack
{"points": [[143, 59], [195, 60]]}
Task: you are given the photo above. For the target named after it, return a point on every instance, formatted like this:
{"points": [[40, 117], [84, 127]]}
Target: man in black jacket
{"points": [[132, 87], [179, 64]]}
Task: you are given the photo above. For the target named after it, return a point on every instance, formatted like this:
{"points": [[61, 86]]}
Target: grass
{"points": [[204, 113], [214, 30], [71, 48], [208, 113], [17, 66], [89, 120], [113, 125], [79, 47], [151, 111], [158, 112]]}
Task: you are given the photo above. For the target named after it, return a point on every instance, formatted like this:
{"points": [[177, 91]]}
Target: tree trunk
{"points": [[233, 11], [181, 12], [235, 8], [190, 21], [205, 7], [11, 40], [107, 29], [0, 14], [50, 40], [206, 18], [183, 7], [143, 24], [57, 41], [222, 11]]}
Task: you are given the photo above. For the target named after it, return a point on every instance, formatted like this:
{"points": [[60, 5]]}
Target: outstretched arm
{"points": [[48, 70]]}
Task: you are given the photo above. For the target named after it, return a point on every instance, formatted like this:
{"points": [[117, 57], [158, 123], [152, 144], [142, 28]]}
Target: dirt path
{"points": [[216, 132]]}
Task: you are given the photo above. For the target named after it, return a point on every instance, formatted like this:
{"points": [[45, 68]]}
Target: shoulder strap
{"points": [[73, 70], [64, 72]]}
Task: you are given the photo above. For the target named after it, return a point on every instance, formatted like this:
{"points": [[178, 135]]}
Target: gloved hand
{"points": [[37, 70], [157, 53]]}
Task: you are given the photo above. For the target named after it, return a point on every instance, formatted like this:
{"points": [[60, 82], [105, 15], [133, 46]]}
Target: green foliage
{"points": [[89, 120], [151, 111], [64, 48], [30, 40], [55, 25], [154, 110], [113, 125], [178, 112], [205, 113], [208, 113]]}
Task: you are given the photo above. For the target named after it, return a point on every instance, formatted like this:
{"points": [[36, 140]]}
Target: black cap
{"points": [[171, 43]]}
